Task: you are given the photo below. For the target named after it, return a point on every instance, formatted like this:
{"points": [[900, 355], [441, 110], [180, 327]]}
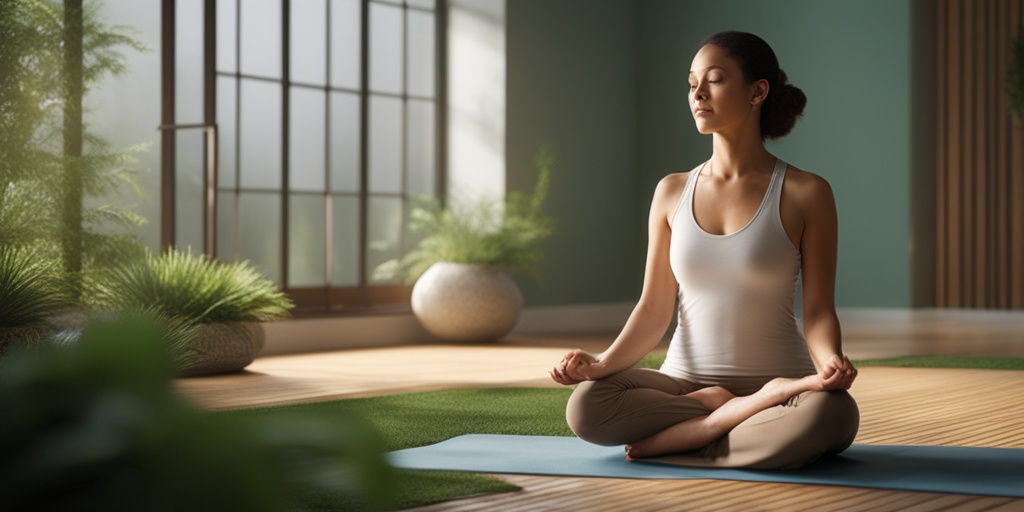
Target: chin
{"points": [[704, 130]]}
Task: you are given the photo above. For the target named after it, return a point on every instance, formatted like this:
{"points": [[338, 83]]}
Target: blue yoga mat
{"points": [[946, 469]]}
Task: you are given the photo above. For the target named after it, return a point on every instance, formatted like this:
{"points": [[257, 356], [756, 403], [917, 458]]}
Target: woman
{"points": [[740, 386]]}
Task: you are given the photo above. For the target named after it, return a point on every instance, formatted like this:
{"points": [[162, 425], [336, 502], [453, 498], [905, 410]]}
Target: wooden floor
{"points": [[898, 406]]}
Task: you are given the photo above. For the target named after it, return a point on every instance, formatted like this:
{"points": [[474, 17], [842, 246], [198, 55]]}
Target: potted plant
{"points": [[219, 306], [1015, 77], [463, 291], [31, 296]]}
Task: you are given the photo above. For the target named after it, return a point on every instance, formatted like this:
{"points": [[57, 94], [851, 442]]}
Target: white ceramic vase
{"points": [[466, 303]]}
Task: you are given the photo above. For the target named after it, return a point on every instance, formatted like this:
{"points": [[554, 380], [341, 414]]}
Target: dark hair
{"points": [[785, 102]]}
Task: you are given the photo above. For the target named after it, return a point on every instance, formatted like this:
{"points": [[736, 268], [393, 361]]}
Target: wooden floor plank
{"points": [[898, 406]]}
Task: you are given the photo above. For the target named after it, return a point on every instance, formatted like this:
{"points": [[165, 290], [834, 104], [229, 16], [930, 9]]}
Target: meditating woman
{"points": [[741, 386]]}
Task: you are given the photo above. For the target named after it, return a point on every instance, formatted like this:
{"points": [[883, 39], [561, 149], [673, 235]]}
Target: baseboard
{"points": [[324, 334], [573, 318]]}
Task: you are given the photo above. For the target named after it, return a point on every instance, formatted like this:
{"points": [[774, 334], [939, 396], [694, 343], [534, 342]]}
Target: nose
{"points": [[700, 93]]}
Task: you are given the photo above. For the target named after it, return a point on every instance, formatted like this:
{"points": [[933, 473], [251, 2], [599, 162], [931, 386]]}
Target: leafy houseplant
{"points": [[463, 291], [504, 235], [30, 295], [222, 302], [57, 176], [1015, 77]]}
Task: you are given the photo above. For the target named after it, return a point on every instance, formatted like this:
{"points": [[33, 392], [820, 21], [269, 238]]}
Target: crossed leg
{"points": [[727, 411]]}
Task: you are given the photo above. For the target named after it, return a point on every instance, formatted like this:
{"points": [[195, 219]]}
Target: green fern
{"points": [[1015, 77], [30, 289], [182, 285], [486, 231]]}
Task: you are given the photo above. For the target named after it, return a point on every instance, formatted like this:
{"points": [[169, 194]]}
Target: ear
{"points": [[760, 92]]}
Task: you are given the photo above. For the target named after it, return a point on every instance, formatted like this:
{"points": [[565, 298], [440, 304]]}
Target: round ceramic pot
{"points": [[466, 303]]}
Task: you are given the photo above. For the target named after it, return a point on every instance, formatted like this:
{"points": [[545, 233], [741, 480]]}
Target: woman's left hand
{"points": [[574, 368], [838, 373]]}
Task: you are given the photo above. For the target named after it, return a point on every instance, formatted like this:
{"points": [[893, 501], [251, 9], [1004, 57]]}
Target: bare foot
{"points": [[782, 389], [632, 452]]}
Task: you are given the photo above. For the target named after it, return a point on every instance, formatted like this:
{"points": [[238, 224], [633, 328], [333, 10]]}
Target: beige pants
{"points": [[637, 403]]}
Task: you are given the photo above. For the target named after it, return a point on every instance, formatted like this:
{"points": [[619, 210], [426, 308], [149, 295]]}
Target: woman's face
{"points": [[720, 96]]}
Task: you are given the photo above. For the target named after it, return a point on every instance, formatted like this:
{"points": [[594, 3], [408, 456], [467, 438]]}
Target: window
{"points": [[329, 116]]}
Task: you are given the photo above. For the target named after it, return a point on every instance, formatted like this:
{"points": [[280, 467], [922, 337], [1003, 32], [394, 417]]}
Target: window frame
{"points": [[329, 299]]}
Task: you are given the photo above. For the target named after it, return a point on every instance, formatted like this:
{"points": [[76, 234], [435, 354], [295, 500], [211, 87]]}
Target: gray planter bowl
{"points": [[226, 347]]}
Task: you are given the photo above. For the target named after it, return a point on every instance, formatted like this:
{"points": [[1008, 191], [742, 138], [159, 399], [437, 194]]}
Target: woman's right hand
{"points": [[577, 366]]}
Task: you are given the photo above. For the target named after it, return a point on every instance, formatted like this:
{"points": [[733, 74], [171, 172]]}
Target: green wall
{"points": [[605, 81], [571, 82]]}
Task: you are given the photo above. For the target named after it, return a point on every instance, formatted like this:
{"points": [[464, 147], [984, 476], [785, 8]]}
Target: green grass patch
{"points": [[418, 419], [971, 362], [652, 361], [955, 361]]}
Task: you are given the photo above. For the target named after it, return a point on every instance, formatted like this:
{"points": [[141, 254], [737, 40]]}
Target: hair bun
{"points": [[782, 108]]}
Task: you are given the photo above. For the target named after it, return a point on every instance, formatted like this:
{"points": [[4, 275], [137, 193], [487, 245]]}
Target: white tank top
{"points": [[736, 293]]}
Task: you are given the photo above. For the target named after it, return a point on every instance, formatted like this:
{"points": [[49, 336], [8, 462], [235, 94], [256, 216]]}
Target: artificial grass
{"points": [[967, 362], [944, 361], [418, 419]]}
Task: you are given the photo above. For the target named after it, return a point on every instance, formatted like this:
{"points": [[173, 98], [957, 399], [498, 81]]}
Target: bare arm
{"points": [[653, 312], [818, 248]]}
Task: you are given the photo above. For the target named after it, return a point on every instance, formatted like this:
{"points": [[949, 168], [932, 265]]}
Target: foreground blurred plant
{"points": [[96, 426]]}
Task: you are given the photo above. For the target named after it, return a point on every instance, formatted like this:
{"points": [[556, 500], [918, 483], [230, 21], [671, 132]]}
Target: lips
{"points": [[701, 111]]}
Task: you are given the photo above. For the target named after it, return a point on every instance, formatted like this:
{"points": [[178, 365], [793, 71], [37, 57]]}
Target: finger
{"points": [[832, 380]]}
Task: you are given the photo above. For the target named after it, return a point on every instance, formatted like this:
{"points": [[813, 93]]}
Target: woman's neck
{"points": [[736, 156]]}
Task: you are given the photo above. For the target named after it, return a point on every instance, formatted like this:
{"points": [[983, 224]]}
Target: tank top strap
{"points": [[774, 193], [685, 204]]}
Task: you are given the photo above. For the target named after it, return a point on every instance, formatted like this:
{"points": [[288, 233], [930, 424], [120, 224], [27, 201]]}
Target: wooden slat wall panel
{"points": [[979, 158]]}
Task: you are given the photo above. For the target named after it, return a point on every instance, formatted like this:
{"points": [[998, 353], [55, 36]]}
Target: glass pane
{"points": [[309, 41], [345, 142], [345, 241], [392, 2], [422, 4], [123, 109], [261, 38], [307, 140], [420, 143], [385, 144], [260, 219], [307, 241], [421, 53], [346, 43], [188, 62], [260, 135], [188, 197], [226, 232], [227, 26], [385, 48], [385, 233], [227, 136]]}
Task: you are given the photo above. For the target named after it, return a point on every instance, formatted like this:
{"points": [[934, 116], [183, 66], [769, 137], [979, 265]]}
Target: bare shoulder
{"points": [[672, 183], [807, 190], [666, 197]]}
